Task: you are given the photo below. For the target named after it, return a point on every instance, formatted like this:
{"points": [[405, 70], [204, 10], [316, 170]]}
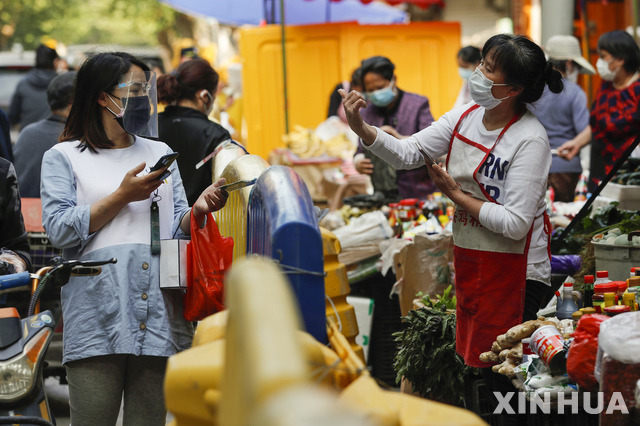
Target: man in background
{"points": [[29, 101], [37, 138]]}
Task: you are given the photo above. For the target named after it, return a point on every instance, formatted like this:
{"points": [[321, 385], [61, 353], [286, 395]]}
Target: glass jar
{"points": [[407, 209], [622, 287], [599, 290], [610, 299]]}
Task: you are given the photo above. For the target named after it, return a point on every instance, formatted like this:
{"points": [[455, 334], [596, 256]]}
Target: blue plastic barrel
{"points": [[282, 224]]}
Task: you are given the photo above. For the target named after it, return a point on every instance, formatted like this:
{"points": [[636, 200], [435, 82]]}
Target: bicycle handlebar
{"points": [[10, 281]]}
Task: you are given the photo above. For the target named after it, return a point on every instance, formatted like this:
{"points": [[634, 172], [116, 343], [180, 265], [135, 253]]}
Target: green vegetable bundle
{"points": [[427, 356]]}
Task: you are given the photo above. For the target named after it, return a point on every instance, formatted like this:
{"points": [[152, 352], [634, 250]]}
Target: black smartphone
{"points": [[164, 161], [426, 155]]}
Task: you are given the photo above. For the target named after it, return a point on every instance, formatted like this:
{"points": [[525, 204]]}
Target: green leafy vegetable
{"points": [[427, 356]]}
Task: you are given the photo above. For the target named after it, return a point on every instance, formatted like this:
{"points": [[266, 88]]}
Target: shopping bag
{"points": [[210, 257]]}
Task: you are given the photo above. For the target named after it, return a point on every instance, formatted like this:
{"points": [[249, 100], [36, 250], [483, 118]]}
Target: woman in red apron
{"points": [[498, 158]]}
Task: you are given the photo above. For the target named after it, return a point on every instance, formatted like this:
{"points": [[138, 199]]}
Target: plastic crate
{"points": [[41, 250], [628, 196], [618, 260]]}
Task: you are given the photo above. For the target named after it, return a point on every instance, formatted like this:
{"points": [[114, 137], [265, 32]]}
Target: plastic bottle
{"points": [[568, 306], [588, 291]]}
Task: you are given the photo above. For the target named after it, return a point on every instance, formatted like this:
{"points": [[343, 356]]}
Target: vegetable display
{"points": [[506, 351], [427, 356], [629, 173]]}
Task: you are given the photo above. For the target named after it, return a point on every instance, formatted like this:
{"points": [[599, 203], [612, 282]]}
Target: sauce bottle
{"points": [[568, 306], [588, 291]]}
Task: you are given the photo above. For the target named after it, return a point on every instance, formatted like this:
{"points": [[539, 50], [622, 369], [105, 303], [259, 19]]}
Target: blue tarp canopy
{"points": [[297, 12]]}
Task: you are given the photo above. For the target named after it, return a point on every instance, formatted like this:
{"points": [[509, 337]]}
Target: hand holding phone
{"points": [[429, 159], [164, 161]]}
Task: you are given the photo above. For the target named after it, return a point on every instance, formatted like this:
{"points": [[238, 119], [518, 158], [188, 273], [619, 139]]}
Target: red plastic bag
{"points": [[209, 257], [582, 354]]}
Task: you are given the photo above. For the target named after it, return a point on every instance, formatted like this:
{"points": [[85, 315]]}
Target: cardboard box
{"points": [[173, 264]]}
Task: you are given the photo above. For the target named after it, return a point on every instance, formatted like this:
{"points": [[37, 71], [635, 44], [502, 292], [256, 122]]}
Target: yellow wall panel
{"points": [[320, 56]]}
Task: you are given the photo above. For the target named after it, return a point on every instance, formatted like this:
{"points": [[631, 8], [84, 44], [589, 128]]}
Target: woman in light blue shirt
{"points": [[100, 201]]}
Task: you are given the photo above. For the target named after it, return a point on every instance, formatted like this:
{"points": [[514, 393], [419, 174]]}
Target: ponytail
{"points": [[168, 89], [553, 78]]}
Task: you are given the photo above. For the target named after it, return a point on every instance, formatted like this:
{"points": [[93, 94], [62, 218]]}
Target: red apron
{"points": [[490, 268]]}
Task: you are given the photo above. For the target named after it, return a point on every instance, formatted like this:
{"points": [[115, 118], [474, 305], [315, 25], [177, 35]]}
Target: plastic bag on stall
{"points": [[369, 227], [581, 359], [567, 264], [618, 363], [210, 257]]}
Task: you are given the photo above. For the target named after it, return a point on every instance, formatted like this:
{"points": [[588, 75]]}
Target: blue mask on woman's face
{"points": [[382, 97]]}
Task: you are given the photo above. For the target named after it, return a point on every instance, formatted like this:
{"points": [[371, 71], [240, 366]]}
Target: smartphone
{"points": [[426, 155], [237, 185], [164, 161]]}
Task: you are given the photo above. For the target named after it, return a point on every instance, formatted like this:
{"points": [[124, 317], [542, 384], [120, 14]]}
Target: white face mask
{"points": [[209, 106], [603, 69], [480, 90], [573, 75], [465, 73]]}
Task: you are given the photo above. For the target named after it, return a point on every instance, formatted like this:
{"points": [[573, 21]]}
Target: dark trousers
{"points": [[535, 293]]}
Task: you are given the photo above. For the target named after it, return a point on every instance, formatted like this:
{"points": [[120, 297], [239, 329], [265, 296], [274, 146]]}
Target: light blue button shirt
{"points": [[122, 310]]}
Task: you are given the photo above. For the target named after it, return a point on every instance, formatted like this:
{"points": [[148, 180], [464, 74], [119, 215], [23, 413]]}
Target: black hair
{"points": [[45, 56], [524, 66], [378, 65], [60, 90], [559, 64], [190, 78], [621, 46], [99, 74], [356, 77], [470, 55]]}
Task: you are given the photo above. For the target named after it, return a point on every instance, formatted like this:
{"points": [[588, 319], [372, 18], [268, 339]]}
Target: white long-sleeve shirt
{"points": [[515, 174]]}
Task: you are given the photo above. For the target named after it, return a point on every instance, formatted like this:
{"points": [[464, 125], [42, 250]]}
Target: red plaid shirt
{"points": [[615, 121]]}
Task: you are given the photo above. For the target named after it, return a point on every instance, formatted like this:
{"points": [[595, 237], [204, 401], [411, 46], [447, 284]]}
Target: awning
{"points": [[297, 12], [422, 3]]}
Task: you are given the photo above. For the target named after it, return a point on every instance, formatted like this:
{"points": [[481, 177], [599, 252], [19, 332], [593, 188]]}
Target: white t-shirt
{"points": [[518, 182], [100, 174]]}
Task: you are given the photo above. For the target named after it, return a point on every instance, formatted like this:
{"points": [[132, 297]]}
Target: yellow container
{"points": [[321, 56], [336, 287], [232, 218]]}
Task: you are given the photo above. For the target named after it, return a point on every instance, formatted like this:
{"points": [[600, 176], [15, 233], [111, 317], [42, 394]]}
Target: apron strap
{"points": [[548, 229], [475, 172], [455, 130]]}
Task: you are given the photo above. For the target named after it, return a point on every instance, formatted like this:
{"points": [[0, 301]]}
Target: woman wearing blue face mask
{"points": [[468, 58], [498, 159], [398, 113]]}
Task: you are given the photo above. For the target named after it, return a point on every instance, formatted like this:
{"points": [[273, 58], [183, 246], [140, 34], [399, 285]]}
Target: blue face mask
{"points": [[382, 97]]}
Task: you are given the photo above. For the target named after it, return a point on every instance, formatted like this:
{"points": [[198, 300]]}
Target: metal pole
{"points": [[284, 67]]}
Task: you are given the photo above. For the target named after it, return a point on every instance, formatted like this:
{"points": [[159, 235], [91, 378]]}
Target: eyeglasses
{"points": [[136, 88]]}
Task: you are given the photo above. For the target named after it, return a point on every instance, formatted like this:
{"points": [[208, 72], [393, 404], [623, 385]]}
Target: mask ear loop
{"points": [[114, 102], [210, 96]]}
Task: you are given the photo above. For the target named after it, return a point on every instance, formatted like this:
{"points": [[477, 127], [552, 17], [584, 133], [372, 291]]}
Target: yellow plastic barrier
{"points": [[321, 56], [336, 287], [262, 372], [232, 218]]}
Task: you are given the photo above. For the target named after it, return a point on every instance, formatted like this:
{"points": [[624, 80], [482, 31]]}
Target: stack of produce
{"points": [[629, 173], [305, 143], [506, 352]]}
